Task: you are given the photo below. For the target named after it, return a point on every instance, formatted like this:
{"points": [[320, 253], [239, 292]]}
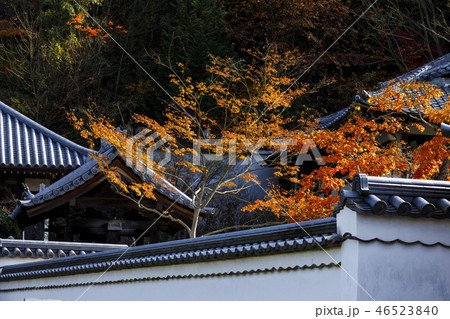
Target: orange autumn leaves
{"points": [[7, 29], [374, 141], [412, 102], [241, 103], [240, 107], [245, 104], [80, 23]]}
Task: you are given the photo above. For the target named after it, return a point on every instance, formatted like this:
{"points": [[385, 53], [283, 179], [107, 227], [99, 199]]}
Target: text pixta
{"points": [[337, 311]]}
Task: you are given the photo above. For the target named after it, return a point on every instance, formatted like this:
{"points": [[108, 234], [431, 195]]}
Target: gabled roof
{"points": [[263, 241], [50, 249], [27, 144], [437, 72], [398, 197], [427, 72], [89, 171]]}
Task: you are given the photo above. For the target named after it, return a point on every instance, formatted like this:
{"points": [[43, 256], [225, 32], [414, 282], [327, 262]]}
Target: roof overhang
{"points": [[28, 213]]}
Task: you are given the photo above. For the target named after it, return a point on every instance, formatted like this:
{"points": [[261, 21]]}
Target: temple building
{"points": [[65, 197]]}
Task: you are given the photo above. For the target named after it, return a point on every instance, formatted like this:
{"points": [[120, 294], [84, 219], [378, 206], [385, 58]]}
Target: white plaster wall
{"points": [[382, 271], [399, 272], [303, 284], [394, 271]]}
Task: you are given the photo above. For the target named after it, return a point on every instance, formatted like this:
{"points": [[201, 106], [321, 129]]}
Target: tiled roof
{"points": [[262, 241], [436, 72], [88, 171], [27, 144], [398, 197], [50, 249], [329, 120], [427, 72]]}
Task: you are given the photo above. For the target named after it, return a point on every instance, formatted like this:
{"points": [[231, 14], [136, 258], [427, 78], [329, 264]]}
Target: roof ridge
{"points": [[397, 197], [67, 183], [421, 71], [362, 183], [329, 120], [89, 170]]}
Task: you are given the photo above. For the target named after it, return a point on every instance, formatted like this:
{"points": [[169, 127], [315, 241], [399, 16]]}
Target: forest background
{"points": [[54, 58], [47, 66]]}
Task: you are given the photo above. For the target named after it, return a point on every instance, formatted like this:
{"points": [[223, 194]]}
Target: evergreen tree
{"points": [[8, 227], [193, 31]]}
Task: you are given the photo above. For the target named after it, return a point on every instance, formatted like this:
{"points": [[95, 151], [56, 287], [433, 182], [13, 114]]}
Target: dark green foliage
{"points": [[51, 67], [192, 31], [8, 227]]}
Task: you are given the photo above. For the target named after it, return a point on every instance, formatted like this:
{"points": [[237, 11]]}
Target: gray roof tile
{"points": [[436, 72], [25, 143], [50, 249], [88, 171], [328, 121], [427, 72], [398, 197], [241, 244]]}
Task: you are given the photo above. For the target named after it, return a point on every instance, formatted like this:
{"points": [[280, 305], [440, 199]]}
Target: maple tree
{"points": [[46, 64], [310, 28], [358, 146], [243, 109], [54, 57], [215, 128], [89, 32]]}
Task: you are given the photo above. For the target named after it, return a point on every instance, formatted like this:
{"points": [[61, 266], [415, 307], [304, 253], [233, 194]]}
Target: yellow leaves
{"points": [[439, 116], [114, 178], [145, 190], [304, 205], [414, 96], [136, 190], [229, 185], [246, 104], [249, 177], [195, 169], [421, 128]]}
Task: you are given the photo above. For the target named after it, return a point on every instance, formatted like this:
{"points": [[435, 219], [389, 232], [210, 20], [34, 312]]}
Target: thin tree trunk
{"points": [[443, 170], [193, 232]]}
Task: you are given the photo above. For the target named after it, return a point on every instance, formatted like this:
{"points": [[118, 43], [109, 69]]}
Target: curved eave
{"points": [[38, 169], [328, 121], [426, 72], [63, 191]]}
